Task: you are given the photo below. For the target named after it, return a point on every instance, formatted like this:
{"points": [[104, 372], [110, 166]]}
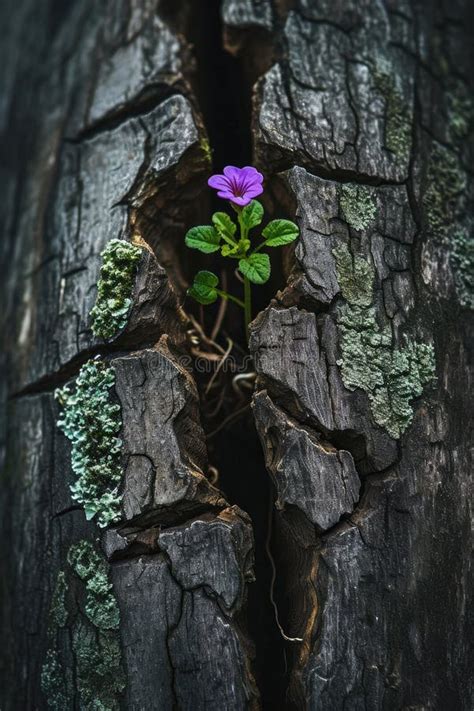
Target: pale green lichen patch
{"points": [[462, 261], [98, 674], [358, 205], [58, 613], [398, 128], [56, 683], [445, 209], [101, 606], [91, 421], [355, 275], [460, 113], [446, 180], [115, 288], [391, 377], [206, 149]]}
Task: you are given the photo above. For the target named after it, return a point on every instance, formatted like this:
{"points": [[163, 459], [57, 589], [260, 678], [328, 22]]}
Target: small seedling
{"points": [[239, 186]]}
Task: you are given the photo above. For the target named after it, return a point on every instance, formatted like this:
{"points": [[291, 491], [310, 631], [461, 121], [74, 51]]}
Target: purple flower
{"points": [[239, 185]]}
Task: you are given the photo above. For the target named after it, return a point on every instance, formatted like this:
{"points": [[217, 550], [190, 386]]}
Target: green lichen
{"points": [[398, 129], [446, 180], [101, 606], [56, 683], [447, 216], [91, 421], [205, 147], [115, 288], [391, 377], [58, 613], [460, 114], [358, 205], [356, 277], [462, 262], [98, 673]]}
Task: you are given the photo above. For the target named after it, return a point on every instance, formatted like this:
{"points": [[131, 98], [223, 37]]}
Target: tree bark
{"points": [[313, 554]]}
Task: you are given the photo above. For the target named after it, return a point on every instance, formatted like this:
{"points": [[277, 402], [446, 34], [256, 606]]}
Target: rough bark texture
{"points": [[362, 121]]}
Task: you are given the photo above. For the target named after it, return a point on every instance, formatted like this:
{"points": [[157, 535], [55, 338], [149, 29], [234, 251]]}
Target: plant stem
{"points": [[248, 305], [229, 240], [244, 230], [247, 288], [225, 295]]}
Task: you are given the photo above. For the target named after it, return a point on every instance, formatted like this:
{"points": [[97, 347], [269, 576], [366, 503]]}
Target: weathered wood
{"points": [[320, 480], [115, 617], [390, 619], [362, 124], [163, 443], [341, 64], [186, 596], [132, 159]]}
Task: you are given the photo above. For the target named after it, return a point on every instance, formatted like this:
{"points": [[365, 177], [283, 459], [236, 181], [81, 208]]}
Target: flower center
{"points": [[237, 188]]}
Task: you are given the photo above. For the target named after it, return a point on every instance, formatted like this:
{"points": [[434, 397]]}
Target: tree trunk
{"points": [[310, 551]]}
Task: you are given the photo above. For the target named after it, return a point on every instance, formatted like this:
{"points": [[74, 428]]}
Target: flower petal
{"points": [[251, 179], [253, 190], [242, 201], [239, 185], [233, 173], [251, 173], [226, 194], [219, 182]]}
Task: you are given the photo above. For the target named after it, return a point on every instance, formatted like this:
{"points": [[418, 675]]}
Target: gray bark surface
{"points": [[350, 533]]}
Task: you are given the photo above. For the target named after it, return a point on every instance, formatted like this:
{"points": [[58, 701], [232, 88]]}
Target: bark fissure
{"points": [[150, 97], [224, 95]]}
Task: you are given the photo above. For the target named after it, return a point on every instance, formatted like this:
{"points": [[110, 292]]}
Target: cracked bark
{"points": [[107, 109]]}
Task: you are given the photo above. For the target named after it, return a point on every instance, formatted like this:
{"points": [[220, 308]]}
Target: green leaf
{"points": [[204, 288], [224, 224], [256, 267], [279, 232], [203, 237], [252, 214]]}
